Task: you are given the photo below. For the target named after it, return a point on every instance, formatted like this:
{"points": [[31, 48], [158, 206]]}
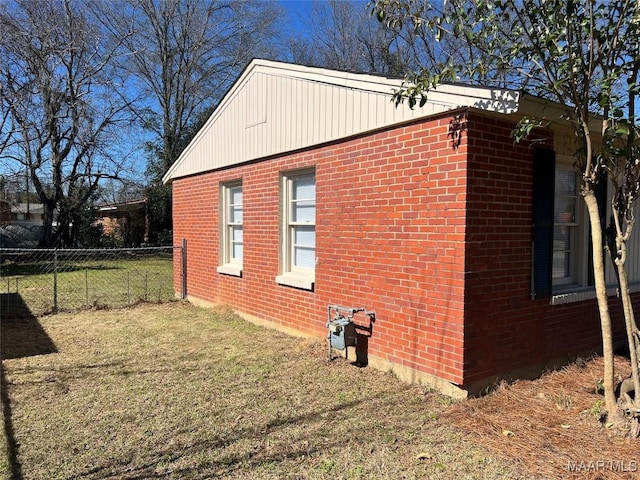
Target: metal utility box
{"points": [[341, 332], [342, 329]]}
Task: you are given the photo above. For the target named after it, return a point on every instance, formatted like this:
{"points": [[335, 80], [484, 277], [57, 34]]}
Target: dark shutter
{"points": [[544, 170]]}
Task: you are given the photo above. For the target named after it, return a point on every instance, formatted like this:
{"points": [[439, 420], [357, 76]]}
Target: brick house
{"points": [[5, 212], [308, 187], [127, 220]]}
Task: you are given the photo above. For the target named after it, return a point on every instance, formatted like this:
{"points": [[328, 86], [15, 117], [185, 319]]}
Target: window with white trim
{"points": [[566, 226], [298, 231], [561, 251], [231, 235], [571, 240], [562, 265]]}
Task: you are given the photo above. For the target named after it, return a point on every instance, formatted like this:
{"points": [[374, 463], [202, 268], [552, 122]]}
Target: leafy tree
{"points": [[582, 54], [60, 95]]}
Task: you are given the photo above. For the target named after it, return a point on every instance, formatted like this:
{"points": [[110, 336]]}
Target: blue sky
{"points": [[297, 10]]}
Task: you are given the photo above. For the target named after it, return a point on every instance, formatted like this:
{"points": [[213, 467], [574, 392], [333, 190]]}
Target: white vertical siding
{"points": [[275, 108], [633, 248]]}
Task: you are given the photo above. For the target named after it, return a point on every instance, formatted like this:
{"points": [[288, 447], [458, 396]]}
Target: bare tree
{"points": [[182, 56], [6, 130], [59, 91], [344, 36]]}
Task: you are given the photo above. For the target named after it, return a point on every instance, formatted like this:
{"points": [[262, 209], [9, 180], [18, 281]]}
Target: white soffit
{"points": [[277, 107]]}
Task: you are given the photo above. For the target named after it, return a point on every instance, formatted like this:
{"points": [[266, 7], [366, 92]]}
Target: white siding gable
{"points": [[278, 107]]}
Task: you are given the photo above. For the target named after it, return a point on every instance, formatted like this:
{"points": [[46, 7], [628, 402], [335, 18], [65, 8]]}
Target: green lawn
{"points": [[84, 283], [175, 391]]}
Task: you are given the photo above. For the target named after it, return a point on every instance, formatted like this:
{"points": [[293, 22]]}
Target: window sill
{"points": [[296, 281], [230, 269], [579, 294]]}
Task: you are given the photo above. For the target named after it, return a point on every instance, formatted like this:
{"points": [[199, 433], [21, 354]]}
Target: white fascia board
{"points": [[489, 99], [356, 81], [463, 95]]}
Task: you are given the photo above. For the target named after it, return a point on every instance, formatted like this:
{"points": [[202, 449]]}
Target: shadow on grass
{"points": [[21, 336], [226, 464]]}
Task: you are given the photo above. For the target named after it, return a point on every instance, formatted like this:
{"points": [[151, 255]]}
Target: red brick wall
{"points": [[504, 329], [5, 212], [403, 221], [390, 228]]}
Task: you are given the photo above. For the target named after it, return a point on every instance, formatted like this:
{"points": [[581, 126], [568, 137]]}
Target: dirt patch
{"points": [[552, 426]]}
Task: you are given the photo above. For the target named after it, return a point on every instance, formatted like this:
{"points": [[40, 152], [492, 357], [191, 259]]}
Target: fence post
{"points": [[183, 269], [55, 279]]}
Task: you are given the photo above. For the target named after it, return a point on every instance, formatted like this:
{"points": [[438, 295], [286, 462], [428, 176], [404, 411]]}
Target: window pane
{"points": [[304, 188], [236, 232], [565, 209], [235, 196], [300, 239], [237, 251], [304, 257], [566, 182], [235, 204], [231, 241], [236, 242], [304, 242], [562, 237], [561, 265], [303, 212], [305, 236], [566, 229], [235, 214]]}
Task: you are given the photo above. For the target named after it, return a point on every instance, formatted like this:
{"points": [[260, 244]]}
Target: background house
{"points": [[27, 214], [19, 225], [5, 212], [127, 221], [308, 187]]}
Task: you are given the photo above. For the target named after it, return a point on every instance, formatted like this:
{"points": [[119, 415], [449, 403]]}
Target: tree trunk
{"points": [[629, 317], [601, 295], [46, 239]]}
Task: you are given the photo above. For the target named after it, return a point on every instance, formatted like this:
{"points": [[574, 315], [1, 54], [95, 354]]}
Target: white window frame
{"points": [[579, 248], [229, 265], [578, 289], [291, 274]]}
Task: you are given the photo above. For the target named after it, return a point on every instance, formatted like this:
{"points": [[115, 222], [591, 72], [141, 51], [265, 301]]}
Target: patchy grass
{"points": [[175, 391]]}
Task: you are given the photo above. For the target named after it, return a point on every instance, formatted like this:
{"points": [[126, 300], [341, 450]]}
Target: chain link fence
{"points": [[42, 281]]}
